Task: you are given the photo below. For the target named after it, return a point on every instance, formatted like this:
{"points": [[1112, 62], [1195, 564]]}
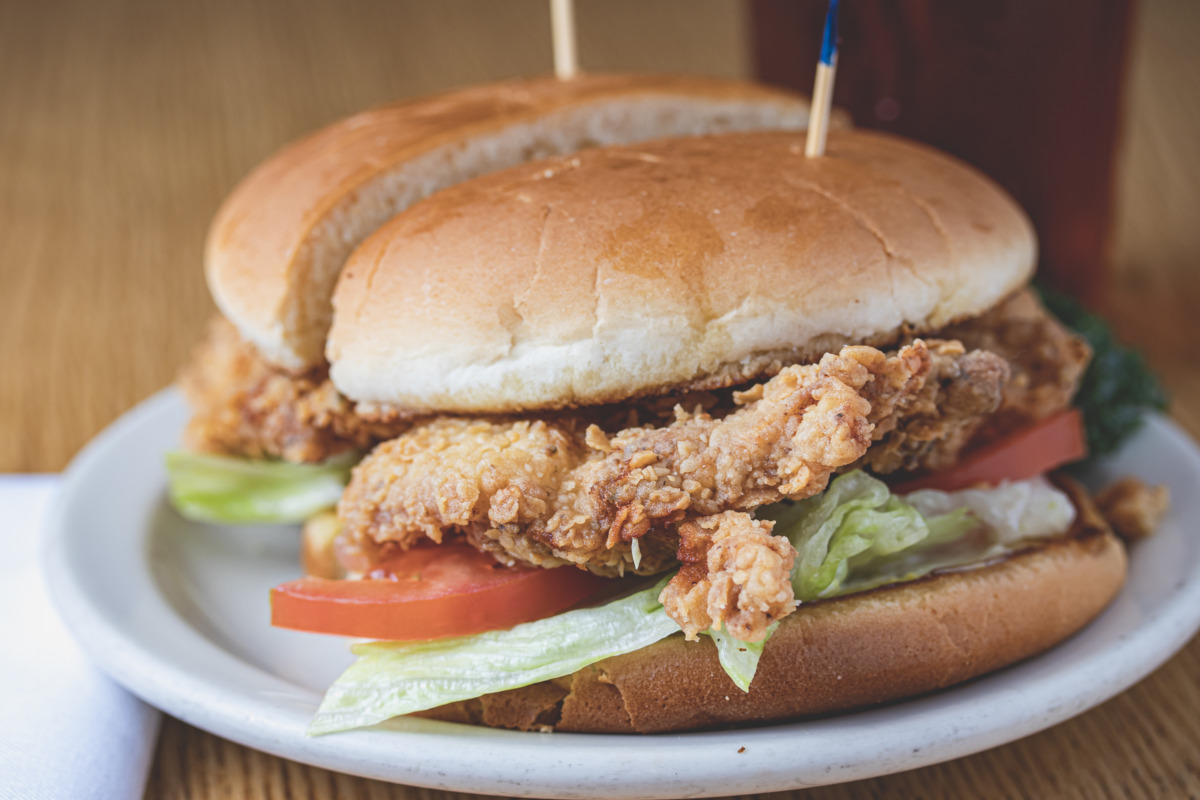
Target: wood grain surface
{"points": [[125, 122]]}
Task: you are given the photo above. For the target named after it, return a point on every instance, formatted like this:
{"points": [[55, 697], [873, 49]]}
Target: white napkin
{"points": [[66, 730]]}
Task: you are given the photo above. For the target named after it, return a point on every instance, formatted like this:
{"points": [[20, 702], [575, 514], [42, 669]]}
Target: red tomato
{"points": [[430, 593], [1034, 451]]}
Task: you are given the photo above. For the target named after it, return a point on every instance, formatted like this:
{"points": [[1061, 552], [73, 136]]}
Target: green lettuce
{"points": [[214, 488], [739, 659], [856, 520], [393, 678]]}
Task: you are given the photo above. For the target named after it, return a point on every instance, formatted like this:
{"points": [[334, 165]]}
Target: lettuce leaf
{"points": [[1011, 512], [996, 519], [213, 488], [393, 678], [856, 520], [739, 659]]}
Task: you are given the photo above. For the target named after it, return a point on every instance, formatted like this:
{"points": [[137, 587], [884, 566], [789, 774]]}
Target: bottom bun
{"points": [[831, 655]]}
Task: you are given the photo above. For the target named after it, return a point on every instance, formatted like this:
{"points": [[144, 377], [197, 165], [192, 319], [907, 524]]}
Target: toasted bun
{"points": [[626, 270], [278, 242], [833, 655]]}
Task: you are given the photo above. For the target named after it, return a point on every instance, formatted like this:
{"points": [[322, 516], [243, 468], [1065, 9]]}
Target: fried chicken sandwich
{"points": [[682, 434]]}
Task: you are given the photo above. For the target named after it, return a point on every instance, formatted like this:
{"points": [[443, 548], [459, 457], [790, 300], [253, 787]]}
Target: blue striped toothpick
{"points": [[822, 96]]}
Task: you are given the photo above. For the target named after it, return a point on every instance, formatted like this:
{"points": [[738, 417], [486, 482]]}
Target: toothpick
{"points": [[822, 97], [562, 27]]}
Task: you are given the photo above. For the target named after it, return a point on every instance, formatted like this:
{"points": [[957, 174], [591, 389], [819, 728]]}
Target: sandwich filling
{"points": [[642, 489]]}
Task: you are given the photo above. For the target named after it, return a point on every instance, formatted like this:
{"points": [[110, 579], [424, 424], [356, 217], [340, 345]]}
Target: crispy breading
{"points": [[934, 424], [735, 575], [587, 495], [1134, 509], [1046, 359], [1020, 349], [546, 492], [244, 406]]}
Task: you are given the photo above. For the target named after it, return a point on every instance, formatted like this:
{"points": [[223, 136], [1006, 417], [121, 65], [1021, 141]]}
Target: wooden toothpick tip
{"points": [[822, 96], [562, 28]]}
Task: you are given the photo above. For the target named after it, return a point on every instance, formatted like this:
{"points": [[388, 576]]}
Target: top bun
{"points": [[625, 271], [277, 244]]}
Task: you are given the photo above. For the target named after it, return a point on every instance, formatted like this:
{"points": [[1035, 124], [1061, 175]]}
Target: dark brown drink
{"points": [[1029, 91]]}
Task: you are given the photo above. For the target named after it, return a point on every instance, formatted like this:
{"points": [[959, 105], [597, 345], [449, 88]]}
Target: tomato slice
{"points": [[1033, 451], [430, 592]]}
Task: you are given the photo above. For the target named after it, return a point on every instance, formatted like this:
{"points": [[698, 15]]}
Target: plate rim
{"points": [[273, 720]]}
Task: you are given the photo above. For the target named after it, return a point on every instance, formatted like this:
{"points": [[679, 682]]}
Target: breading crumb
{"points": [[1134, 509]]}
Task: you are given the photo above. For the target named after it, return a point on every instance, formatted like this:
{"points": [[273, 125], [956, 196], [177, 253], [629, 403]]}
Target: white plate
{"points": [[178, 613]]}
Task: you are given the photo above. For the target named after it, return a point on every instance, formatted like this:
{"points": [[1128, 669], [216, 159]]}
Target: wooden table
{"points": [[124, 122]]}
